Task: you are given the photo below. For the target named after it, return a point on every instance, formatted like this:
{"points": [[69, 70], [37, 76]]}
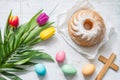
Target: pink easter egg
{"points": [[60, 56]]}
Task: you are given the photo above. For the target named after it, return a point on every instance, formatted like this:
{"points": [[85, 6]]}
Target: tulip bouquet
{"points": [[16, 47]]}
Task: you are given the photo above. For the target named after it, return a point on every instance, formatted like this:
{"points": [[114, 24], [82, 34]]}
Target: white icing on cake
{"points": [[79, 30]]}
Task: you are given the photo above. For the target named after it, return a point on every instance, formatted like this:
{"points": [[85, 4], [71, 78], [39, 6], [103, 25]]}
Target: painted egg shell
{"points": [[40, 69], [88, 69], [60, 56], [69, 69]]}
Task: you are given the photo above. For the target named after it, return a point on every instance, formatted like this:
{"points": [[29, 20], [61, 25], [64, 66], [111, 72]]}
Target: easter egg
{"points": [[69, 69], [60, 56], [40, 69], [88, 69]]}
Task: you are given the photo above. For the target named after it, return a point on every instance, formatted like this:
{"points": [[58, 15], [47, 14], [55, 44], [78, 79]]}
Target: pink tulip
{"points": [[42, 19]]}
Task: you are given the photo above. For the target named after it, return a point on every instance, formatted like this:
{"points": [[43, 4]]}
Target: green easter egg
{"points": [[69, 69]]}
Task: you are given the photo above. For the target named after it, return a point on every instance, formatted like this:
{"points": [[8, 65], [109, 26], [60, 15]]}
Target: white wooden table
{"points": [[25, 9]]}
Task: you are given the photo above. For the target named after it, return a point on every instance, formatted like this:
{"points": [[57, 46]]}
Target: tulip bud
{"points": [[47, 33], [14, 21], [42, 19]]}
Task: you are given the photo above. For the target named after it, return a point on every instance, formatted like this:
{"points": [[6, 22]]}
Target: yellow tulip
{"points": [[47, 33]]}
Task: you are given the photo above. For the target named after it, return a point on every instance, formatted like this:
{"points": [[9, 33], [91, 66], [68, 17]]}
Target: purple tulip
{"points": [[42, 19]]}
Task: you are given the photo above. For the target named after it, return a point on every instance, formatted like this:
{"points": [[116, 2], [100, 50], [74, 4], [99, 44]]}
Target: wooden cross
{"points": [[108, 64]]}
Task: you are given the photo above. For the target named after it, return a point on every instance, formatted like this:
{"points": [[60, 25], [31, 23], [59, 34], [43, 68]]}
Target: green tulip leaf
{"points": [[1, 78], [6, 32], [16, 47], [11, 76], [22, 61]]}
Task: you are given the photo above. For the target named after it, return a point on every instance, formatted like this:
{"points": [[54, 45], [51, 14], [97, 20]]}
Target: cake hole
{"points": [[88, 24]]}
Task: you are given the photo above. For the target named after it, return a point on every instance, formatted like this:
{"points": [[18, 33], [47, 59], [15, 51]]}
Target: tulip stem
{"points": [[26, 34], [11, 31]]}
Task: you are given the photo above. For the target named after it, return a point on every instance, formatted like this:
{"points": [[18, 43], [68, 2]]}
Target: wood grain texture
{"points": [[113, 65], [106, 67]]}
